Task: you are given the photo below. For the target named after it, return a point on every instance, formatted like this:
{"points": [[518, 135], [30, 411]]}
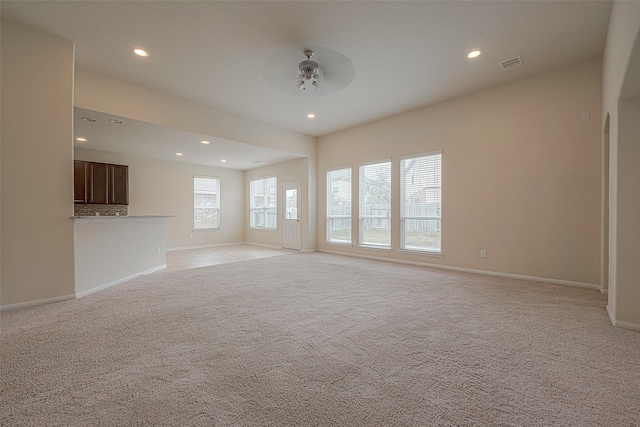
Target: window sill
{"points": [[346, 244], [378, 248]]}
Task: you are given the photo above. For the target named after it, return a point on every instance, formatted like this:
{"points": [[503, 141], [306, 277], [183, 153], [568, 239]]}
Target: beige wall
{"points": [[37, 175], [521, 175], [621, 50], [166, 188], [287, 172]]}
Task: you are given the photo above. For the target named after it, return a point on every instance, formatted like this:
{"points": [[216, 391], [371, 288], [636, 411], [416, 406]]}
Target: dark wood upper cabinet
{"points": [[118, 185], [80, 182], [100, 183]]}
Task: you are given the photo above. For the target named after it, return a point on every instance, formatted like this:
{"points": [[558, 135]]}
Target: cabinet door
{"points": [[118, 184], [98, 183], [79, 181]]}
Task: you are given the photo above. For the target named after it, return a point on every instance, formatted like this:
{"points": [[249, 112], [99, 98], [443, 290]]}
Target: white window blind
{"points": [[421, 203], [339, 206], [375, 205], [206, 202], [263, 203]]}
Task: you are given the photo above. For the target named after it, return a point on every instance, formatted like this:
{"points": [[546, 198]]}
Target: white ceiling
{"points": [[406, 54]]}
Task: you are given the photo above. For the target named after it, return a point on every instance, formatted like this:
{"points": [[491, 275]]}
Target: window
{"points": [[339, 206], [263, 203], [420, 203], [206, 202], [375, 205]]}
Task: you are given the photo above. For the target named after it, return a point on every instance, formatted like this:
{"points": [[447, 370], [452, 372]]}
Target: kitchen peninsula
{"points": [[113, 249]]}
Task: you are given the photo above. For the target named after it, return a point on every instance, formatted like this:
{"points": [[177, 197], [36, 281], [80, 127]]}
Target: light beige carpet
{"points": [[320, 340]]}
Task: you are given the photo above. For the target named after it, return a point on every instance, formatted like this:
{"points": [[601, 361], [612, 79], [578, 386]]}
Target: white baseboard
{"points": [[470, 270], [117, 282], [153, 270], [621, 324], [215, 245], [34, 303], [627, 325]]}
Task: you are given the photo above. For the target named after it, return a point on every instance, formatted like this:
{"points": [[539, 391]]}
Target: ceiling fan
{"points": [[337, 71], [309, 73]]}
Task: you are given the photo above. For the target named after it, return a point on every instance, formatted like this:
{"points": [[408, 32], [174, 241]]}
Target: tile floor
{"points": [[194, 258]]}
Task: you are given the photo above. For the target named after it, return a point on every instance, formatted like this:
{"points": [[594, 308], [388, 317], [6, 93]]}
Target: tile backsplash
{"points": [[103, 210]]}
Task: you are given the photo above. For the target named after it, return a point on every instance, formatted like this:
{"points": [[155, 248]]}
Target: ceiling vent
{"points": [[511, 63]]}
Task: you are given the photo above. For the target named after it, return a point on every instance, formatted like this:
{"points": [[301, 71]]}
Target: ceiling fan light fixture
{"points": [[309, 72]]}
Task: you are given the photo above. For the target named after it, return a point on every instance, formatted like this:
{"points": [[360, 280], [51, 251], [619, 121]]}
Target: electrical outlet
{"points": [[483, 253], [190, 236], [157, 251]]}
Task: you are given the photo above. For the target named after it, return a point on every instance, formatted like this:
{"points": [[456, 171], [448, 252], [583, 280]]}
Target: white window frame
{"points": [[344, 217], [216, 206], [263, 209], [403, 213], [360, 210]]}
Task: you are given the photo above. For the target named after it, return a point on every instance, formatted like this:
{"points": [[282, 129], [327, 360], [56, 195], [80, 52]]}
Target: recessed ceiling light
{"points": [[81, 139], [89, 119], [178, 154], [311, 115], [205, 142], [474, 54], [116, 121], [140, 52], [223, 161]]}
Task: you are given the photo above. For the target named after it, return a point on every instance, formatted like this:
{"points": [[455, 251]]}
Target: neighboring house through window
{"points": [[206, 203], [375, 205], [421, 203]]}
